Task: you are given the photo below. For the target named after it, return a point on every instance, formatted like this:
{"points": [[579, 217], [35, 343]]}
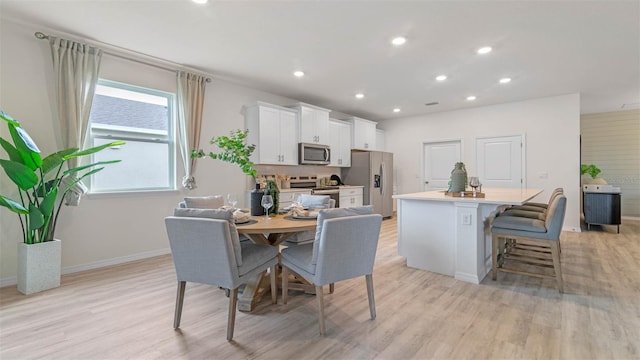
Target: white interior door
{"points": [[439, 159], [499, 161]]}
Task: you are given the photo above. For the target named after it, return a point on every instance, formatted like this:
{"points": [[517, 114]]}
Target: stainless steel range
{"points": [[312, 182]]}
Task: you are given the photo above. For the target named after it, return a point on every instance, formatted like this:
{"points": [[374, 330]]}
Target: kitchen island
{"points": [[452, 235]]}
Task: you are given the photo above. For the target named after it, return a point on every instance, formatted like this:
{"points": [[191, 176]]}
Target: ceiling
{"points": [[547, 47]]}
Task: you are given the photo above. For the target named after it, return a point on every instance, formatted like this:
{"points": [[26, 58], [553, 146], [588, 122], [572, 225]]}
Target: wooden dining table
{"points": [[274, 231]]}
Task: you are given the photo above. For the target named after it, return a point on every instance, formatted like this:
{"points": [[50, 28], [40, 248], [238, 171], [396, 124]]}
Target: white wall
{"points": [[105, 230], [551, 127]]}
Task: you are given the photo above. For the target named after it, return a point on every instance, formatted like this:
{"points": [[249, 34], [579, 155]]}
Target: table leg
{"points": [[255, 288], [253, 292]]}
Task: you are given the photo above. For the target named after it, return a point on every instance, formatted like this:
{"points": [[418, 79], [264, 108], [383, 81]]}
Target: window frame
{"points": [[112, 132]]}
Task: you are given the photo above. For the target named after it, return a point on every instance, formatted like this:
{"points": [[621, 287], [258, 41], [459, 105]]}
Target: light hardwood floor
{"points": [[126, 312]]}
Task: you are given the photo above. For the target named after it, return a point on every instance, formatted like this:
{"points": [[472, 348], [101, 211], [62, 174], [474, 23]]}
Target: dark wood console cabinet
{"points": [[602, 209]]}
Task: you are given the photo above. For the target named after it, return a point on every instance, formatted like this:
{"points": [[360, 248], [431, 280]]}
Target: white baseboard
{"points": [[571, 229], [13, 280], [632, 218]]}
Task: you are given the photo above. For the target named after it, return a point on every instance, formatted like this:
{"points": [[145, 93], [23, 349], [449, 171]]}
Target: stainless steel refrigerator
{"points": [[374, 171]]}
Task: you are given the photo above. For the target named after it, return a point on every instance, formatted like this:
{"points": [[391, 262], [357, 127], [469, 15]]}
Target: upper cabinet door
{"points": [[340, 143], [274, 131], [288, 138], [314, 124], [364, 134], [269, 150]]}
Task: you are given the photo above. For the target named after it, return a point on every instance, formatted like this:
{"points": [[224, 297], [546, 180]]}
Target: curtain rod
{"points": [[43, 36]]}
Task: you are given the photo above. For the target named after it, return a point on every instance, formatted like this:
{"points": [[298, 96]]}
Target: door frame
{"points": [[523, 154], [432, 142]]}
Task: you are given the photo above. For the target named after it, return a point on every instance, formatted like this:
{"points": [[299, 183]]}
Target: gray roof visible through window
{"points": [[122, 112]]}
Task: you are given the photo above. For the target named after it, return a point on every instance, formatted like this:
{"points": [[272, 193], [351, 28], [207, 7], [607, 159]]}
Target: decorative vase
{"points": [[256, 198], [272, 189], [38, 266], [458, 178], [588, 180]]}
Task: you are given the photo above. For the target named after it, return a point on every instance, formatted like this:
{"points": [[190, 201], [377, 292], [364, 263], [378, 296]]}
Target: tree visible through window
{"points": [[144, 119]]}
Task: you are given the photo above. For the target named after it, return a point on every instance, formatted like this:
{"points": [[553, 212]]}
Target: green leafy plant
{"points": [[590, 169], [40, 180], [234, 150]]}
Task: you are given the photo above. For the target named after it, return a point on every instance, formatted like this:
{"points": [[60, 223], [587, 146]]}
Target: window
{"points": [[144, 119]]}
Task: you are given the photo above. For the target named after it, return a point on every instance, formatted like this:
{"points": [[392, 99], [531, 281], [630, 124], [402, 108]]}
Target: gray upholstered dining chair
{"points": [[344, 248], [202, 202], [530, 241], [311, 201], [206, 250]]}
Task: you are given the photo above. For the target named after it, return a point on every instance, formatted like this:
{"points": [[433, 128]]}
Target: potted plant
{"points": [[593, 172], [234, 150], [42, 184]]}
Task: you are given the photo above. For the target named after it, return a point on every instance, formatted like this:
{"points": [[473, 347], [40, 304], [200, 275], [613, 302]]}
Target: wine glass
{"points": [[474, 183], [267, 202], [232, 200], [296, 200]]}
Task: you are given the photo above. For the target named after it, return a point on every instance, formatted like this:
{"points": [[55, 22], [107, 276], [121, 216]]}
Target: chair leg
{"points": [[285, 284], [320, 298], [494, 257], [332, 288], [231, 322], [179, 302], [274, 285], [555, 254], [372, 300]]}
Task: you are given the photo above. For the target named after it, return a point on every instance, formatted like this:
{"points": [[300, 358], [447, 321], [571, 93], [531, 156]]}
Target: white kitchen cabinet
{"points": [[314, 123], [379, 139], [351, 196], [363, 133], [340, 143], [274, 131]]}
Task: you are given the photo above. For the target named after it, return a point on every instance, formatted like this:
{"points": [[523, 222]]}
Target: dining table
{"points": [[268, 231]]}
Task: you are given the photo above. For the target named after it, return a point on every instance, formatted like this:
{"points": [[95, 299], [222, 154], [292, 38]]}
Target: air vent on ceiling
{"points": [[431, 103]]}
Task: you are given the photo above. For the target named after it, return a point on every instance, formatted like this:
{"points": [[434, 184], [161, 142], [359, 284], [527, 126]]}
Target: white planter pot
{"points": [[39, 266]]}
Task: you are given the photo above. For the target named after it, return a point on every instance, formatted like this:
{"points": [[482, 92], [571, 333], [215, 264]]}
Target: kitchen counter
{"points": [[452, 235]]}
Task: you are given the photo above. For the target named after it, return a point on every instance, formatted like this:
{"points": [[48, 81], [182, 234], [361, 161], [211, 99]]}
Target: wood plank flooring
{"points": [[126, 312]]}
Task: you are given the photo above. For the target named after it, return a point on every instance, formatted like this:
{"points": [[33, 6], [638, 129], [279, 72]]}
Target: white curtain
{"points": [[190, 95], [76, 68]]}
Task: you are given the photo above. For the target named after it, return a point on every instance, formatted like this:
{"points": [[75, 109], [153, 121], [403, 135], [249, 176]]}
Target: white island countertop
{"points": [[502, 196]]}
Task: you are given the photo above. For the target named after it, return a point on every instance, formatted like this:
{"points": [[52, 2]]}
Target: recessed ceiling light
{"points": [[396, 110], [359, 96], [471, 98], [505, 80], [200, 1], [399, 41], [441, 77], [298, 73], [484, 50]]}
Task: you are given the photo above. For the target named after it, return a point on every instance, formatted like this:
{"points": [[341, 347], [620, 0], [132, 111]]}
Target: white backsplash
{"points": [[320, 171]]}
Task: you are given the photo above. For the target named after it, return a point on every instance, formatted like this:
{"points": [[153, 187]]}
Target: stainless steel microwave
{"points": [[313, 154]]}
